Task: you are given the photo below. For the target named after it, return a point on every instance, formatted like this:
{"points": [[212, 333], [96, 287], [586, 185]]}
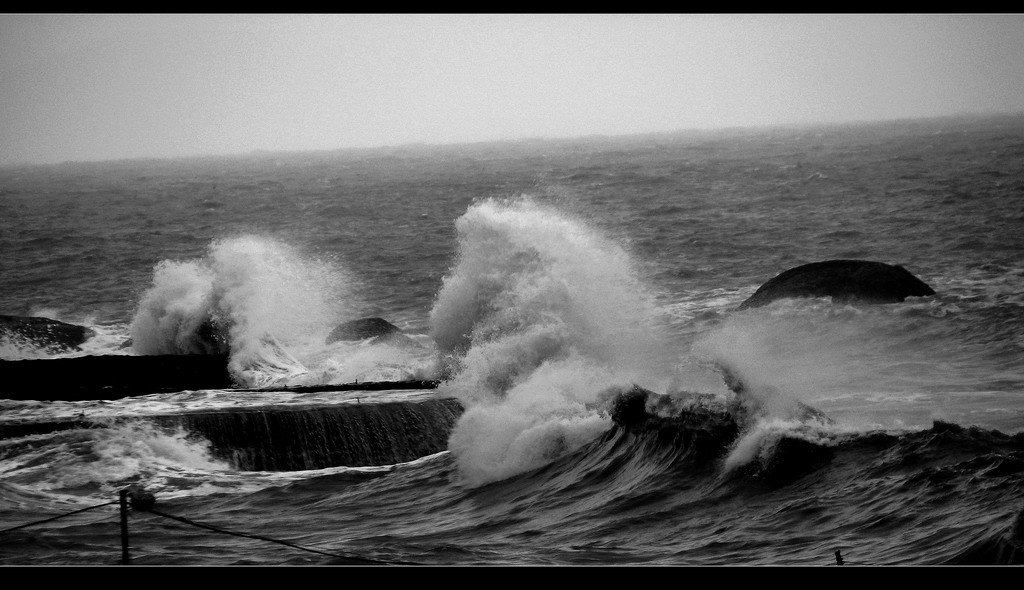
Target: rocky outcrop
{"points": [[845, 281], [362, 329], [379, 330], [211, 338], [43, 334]]}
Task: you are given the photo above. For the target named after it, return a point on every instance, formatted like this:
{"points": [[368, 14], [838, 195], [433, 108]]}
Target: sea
{"points": [[576, 303]]}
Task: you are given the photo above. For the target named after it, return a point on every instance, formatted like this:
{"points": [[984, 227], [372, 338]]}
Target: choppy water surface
{"points": [[540, 281]]}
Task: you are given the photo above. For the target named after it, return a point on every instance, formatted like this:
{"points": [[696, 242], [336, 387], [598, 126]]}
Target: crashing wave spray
{"points": [[785, 361], [252, 297], [540, 316]]}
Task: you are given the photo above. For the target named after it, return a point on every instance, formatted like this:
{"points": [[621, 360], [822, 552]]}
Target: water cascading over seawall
{"points": [[352, 434]]}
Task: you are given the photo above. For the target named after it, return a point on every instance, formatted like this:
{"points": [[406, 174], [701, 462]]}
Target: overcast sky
{"points": [[98, 87]]}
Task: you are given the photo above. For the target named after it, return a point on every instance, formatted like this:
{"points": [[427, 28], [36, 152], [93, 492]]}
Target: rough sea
{"points": [[576, 301]]}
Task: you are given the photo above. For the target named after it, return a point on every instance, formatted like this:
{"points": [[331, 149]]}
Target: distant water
{"points": [[540, 281]]}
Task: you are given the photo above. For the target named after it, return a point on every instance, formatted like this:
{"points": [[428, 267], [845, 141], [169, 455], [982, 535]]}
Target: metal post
{"points": [[124, 526]]}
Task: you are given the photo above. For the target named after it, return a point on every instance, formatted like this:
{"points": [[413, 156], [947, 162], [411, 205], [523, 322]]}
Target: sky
{"points": [[86, 87]]}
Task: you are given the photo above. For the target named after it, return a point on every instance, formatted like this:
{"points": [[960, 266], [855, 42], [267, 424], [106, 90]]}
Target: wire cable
{"points": [[359, 560], [55, 517]]}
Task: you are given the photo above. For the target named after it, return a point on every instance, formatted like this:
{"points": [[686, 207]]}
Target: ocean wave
{"points": [[254, 298], [539, 314]]}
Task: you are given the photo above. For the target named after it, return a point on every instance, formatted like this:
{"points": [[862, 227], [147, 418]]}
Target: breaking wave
{"points": [[540, 315]]}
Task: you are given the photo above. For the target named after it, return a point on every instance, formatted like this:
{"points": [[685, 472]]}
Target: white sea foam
{"points": [[271, 308], [540, 314], [268, 301], [866, 365], [171, 312], [135, 450]]}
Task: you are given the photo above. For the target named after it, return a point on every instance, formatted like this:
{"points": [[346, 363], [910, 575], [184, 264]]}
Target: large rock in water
{"points": [[379, 329], [43, 334], [211, 338], [845, 281]]}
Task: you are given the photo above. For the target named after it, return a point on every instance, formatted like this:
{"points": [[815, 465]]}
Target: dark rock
{"points": [[43, 333], [362, 329], [845, 281], [211, 338]]}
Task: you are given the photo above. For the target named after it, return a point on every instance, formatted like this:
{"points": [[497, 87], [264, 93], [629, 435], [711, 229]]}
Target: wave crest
{"points": [[539, 315], [248, 297]]}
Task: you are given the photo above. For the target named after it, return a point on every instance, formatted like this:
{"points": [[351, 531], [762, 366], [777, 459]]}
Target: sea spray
{"points": [[812, 366], [258, 297], [349, 362], [799, 351], [539, 315], [171, 312]]}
